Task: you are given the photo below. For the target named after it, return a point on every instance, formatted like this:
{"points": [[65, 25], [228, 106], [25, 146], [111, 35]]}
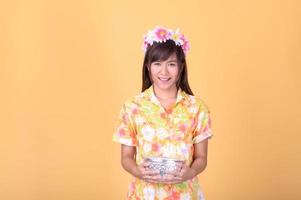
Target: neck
{"points": [[166, 94]]}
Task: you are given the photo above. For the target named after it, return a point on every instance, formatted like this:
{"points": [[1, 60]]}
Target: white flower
{"points": [[169, 150], [201, 115], [140, 140], [161, 133], [147, 147], [185, 196], [193, 109], [148, 133], [176, 36], [192, 99], [201, 195], [139, 120], [148, 109], [176, 120], [183, 150], [154, 99], [161, 194], [149, 193], [150, 37]]}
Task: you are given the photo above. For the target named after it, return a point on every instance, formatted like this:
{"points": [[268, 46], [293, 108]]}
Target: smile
{"points": [[164, 79]]}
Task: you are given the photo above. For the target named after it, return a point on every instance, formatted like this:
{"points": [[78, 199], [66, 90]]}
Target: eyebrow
{"points": [[167, 61]]}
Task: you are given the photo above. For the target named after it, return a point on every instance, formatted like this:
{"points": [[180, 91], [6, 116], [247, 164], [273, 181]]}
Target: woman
{"points": [[164, 120]]}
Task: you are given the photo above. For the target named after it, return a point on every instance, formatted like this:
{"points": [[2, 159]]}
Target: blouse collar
{"points": [[151, 94]]}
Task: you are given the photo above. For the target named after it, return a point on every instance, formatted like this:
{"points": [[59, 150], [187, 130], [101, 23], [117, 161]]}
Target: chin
{"points": [[165, 87]]}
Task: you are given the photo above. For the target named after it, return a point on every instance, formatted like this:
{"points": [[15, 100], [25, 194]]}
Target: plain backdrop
{"points": [[66, 68]]}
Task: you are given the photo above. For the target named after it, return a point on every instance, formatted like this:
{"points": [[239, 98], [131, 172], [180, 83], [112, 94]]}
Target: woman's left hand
{"points": [[185, 174]]}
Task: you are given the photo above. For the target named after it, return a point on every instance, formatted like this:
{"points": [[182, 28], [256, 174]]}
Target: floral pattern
{"points": [[154, 131], [161, 34]]}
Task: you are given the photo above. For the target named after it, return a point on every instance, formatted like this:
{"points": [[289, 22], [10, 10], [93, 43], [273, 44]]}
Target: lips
{"points": [[163, 79]]}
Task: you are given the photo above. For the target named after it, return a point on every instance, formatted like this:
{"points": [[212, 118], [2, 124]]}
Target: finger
{"points": [[147, 170], [185, 167], [153, 179], [151, 172], [171, 178], [147, 177], [183, 170], [175, 174], [142, 170], [180, 164], [145, 162], [172, 181], [149, 180]]}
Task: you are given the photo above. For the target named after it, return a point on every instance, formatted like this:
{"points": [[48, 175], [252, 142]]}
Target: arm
{"points": [[128, 160], [198, 165], [200, 157]]}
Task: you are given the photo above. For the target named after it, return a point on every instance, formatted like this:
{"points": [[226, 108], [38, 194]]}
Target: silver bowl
{"points": [[164, 165]]}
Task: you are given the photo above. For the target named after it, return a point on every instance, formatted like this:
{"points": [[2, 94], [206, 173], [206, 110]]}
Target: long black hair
{"points": [[161, 52]]}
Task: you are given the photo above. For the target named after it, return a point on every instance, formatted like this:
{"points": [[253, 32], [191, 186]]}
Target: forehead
{"points": [[172, 57]]}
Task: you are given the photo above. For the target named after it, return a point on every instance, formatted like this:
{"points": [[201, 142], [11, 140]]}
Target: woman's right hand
{"points": [[141, 171], [146, 174]]}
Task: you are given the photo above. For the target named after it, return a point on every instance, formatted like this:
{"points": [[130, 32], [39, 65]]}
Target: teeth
{"points": [[164, 79]]}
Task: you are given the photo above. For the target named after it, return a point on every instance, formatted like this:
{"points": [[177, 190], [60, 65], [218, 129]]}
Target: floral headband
{"points": [[161, 34]]}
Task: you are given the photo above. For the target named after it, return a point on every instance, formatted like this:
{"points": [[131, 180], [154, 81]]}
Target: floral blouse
{"points": [[144, 123]]}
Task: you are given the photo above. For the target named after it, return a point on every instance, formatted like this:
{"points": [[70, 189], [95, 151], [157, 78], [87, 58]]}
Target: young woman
{"points": [[164, 120]]}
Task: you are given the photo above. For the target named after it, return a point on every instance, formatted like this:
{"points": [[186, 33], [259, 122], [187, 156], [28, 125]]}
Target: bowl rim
{"points": [[157, 158]]}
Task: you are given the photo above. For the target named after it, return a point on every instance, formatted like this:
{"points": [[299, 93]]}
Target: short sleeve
{"points": [[202, 129], [125, 131]]}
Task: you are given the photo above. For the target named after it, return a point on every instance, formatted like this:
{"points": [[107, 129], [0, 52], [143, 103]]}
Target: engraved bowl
{"points": [[164, 165]]}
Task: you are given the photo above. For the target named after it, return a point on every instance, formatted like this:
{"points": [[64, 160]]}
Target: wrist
{"points": [[193, 172], [136, 171], [190, 174]]}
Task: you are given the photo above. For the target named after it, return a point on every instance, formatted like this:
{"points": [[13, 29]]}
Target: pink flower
{"points": [[135, 111], [121, 132], [185, 44], [175, 195], [162, 34], [182, 128], [155, 147]]}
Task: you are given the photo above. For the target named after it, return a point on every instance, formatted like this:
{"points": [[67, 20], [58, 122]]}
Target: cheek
{"points": [[152, 73], [174, 71]]}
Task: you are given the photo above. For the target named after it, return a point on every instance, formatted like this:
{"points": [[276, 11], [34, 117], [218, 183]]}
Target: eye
{"points": [[157, 63], [172, 64]]}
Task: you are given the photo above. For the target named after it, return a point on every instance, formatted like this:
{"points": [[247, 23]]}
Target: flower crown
{"points": [[161, 34]]}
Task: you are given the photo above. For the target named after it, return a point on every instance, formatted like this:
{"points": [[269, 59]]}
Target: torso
{"points": [[167, 104], [155, 133]]}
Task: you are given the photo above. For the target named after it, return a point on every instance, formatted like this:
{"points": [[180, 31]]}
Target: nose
{"points": [[164, 69]]}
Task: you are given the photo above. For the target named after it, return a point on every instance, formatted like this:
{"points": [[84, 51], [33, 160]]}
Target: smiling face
{"points": [[158, 70], [164, 74]]}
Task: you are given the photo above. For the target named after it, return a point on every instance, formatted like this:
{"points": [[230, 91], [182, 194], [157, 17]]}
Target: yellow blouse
{"points": [[144, 123]]}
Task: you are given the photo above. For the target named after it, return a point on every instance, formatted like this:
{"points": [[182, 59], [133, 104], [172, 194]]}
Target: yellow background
{"points": [[66, 67]]}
